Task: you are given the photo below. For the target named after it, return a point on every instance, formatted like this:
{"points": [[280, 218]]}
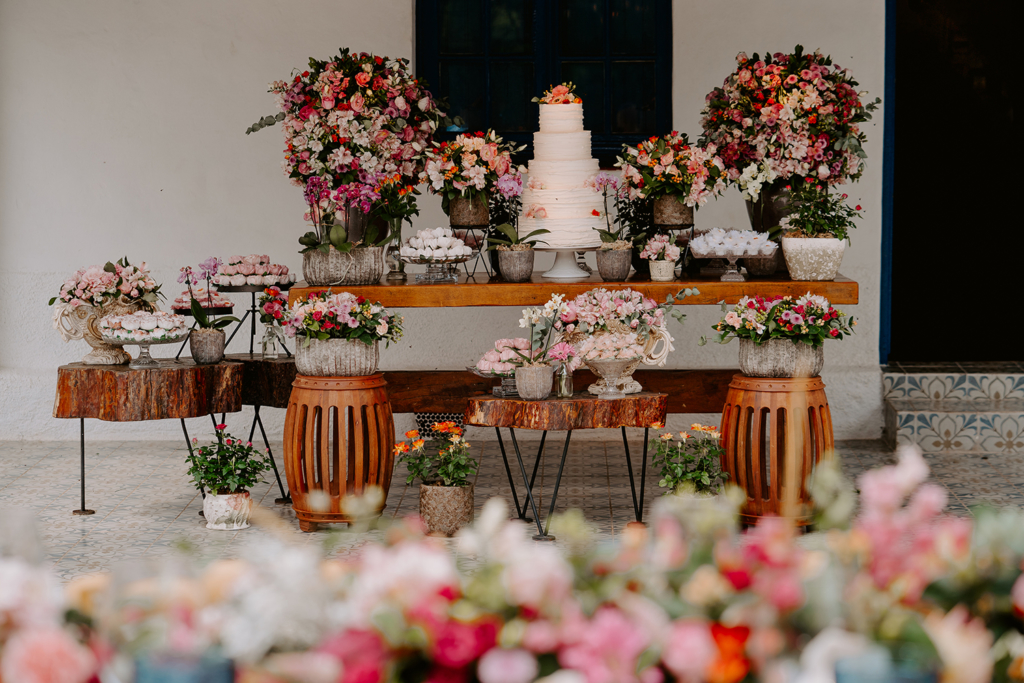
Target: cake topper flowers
{"points": [[564, 93]]}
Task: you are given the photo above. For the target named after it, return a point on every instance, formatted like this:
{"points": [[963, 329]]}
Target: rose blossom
{"points": [[46, 655], [499, 665]]}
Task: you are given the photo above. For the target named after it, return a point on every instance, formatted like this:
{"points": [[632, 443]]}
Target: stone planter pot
{"points": [[614, 264], [336, 358], [780, 358], [534, 382], [670, 211], [516, 266], [227, 512], [813, 258], [446, 509], [468, 211], [663, 271], [361, 266], [206, 345]]}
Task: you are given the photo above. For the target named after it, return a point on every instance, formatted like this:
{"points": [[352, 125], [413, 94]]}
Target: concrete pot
{"points": [[534, 382], [813, 258], [468, 211], [206, 346], [663, 271], [227, 512], [361, 266], [336, 358], [446, 509], [670, 211], [516, 266], [614, 264], [780, 358]]}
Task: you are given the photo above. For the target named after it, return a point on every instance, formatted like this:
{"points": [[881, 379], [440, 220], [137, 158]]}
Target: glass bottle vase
{"points": [[270, 342], [564, 381]]}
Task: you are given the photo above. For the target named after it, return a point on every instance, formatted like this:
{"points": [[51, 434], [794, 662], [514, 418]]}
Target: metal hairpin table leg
{"points": [[638, 506], [285, 498], [191, 453], [521, 511], [554, 495], [237, 328], [529, 490], [82, 510]]}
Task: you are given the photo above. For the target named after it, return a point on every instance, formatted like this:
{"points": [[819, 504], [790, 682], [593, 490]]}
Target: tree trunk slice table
{"points": [[582, 411], [177, 389]]}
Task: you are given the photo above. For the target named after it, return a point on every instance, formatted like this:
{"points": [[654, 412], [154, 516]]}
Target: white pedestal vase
{"points": [[813, 258], [227, 512]]}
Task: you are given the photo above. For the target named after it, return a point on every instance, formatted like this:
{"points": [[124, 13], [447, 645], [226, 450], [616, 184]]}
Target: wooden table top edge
{"points": [[483, 291]]}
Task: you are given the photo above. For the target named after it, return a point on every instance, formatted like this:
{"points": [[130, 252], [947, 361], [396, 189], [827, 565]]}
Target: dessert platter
{"points": [[557, 197], [252, 273], [440, 250], [143, 329], [211, 300], [732, 245]]}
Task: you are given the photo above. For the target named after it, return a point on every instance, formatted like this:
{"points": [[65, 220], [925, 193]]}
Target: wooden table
{"points": [[484, 291], [177, 389], [582, 411]]}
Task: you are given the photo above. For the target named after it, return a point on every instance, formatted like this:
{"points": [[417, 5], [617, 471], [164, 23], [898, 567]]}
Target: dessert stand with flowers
{"points": [[440, 251]]}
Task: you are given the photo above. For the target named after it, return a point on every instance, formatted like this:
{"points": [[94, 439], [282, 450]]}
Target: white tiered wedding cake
{"points": [[557, 196]]}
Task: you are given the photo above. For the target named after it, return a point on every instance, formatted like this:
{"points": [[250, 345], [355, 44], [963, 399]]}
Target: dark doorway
{"points": [[957, 245]]}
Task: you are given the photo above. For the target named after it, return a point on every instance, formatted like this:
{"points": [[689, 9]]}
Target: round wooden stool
{"points": [[339, 438], [774, 432]]}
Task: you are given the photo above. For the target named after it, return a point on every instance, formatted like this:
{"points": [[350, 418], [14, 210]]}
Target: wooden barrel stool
{"points": [[774, 432], [339, 438]]}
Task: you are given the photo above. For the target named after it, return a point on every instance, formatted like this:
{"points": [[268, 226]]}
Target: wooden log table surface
{"points": [[265, 382], [484, 291], [177, 389], [582, 411]]}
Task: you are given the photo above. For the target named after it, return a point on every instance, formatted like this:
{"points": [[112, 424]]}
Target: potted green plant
{"points": [[515, 253], [443, 466], [207, 341], [782, 337], [690, 463], [815, 234], [225, 471]]}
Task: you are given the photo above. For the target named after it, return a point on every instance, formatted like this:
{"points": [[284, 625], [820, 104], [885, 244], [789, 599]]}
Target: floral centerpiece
{"points": [[690, 462], [341, 333], [563, 93], [225, 471], [675, 174], [273, 307], [467, 171], [116, 288], [443, 465], [782, 337], [662, 255], [612, 357]]}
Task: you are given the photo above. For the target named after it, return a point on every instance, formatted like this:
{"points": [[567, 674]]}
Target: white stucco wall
{"points": [[121, 132]]}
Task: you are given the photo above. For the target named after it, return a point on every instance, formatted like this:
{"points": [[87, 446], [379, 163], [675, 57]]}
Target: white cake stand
{"points": [[565, 267]]}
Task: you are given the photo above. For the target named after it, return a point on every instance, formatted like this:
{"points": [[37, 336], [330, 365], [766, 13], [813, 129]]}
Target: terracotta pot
{"points": [[336, 358], [446, 509], [206, 345], [361, 266], [534, 382], [614, 264], [227, 512], [516, 266], [468, 211], [663, 271], [670, 211], [780, 358], [813, 258]]}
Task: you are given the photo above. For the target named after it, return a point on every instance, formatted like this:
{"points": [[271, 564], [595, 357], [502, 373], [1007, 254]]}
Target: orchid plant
{"points": [[541, 323], [208, 270]]}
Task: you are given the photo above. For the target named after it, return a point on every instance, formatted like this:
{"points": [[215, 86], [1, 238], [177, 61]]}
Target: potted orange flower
{"points": [[443, 465]]}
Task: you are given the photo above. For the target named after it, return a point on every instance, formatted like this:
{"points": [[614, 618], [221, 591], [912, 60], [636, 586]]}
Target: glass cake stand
{"points": [[144, 361], [438, 271], [733, 272], [508, 383], [565, 267]]}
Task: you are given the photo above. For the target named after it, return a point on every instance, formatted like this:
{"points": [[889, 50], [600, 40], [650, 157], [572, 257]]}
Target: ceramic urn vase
{"points": [[446, 509], [614, 264], [663, 271]]}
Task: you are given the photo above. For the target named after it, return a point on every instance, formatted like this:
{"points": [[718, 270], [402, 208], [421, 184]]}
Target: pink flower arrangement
{"points": [[564, 93], [273, 305], [599, 308], [660, 248], [342, 316], [120, 280], [670, 166], [505, 357], [472, 166], [611, 346], [787, 118]]}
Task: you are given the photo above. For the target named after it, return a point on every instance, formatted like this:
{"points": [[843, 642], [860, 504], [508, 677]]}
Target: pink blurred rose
{"points": [[559, 91], [1017, 595], [357, 103], [499, 665], [607, 649], [689, 650], [46, 655], [362, 78]]}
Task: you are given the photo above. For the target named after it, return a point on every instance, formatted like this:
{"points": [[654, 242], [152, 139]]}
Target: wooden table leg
{"points": [[82, 510]]}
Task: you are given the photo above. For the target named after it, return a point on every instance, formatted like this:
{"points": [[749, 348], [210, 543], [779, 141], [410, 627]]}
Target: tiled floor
{"points": [[145, 505]]}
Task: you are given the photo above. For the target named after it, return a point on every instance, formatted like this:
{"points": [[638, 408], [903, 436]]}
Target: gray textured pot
{"points": [[468, 211], [516, 266], [206, 346], [361, 266], [614, 264], [336, 358], [446, 509], [780, 358], [534, 382], [670, 211], [813, 258]]}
